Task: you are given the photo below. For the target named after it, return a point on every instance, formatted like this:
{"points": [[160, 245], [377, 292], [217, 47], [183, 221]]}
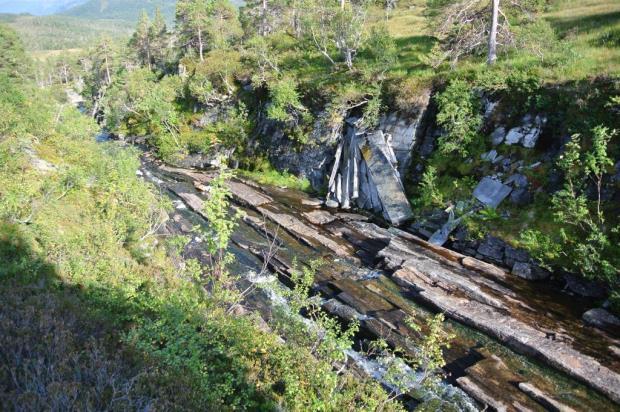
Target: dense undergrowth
{"points": [[97, 313]]}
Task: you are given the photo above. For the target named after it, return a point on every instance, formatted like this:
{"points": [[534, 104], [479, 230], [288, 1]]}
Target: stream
{"points": [[518, 346]]}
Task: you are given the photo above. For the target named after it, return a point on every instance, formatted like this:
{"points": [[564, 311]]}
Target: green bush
{"points": [[459, 116]]}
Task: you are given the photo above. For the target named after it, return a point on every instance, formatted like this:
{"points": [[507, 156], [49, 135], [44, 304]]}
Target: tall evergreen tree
{"points": [[141, 40], [159, 41], [193, 18]]}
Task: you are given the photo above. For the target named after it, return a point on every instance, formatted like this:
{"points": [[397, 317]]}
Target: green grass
{"points": [[273, 177]]}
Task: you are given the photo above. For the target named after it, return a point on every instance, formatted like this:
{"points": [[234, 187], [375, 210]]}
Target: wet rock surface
{"points": [[602, 319], [405, 272]]}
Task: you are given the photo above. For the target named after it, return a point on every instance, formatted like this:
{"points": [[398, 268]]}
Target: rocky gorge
{"points": [[380, 275]]}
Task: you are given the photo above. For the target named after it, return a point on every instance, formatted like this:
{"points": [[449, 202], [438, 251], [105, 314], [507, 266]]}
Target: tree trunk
{"points": [[493, 34], [200, 45], [263, 23], [107, 71], [342, 4]]}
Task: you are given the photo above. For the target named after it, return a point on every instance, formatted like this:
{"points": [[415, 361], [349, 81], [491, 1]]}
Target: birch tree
{"points": [[479, 26], [337, 25]]}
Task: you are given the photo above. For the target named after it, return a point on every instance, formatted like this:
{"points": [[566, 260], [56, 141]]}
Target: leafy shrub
{"points": [[459, 115]]}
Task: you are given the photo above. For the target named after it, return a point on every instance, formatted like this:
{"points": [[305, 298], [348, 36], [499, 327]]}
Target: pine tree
{"points": [[141, 40], [159, 40], [193, 21]]}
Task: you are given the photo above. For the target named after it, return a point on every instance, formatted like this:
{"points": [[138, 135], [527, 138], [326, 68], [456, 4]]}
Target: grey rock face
{"points": [[366, 168], [512, 255], [383, 176], [311, 161], [602, 319], [403, 132], [491, 192]]}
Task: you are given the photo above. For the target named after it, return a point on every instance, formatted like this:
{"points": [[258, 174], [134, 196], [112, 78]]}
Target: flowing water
{"points": [[354, 280]]}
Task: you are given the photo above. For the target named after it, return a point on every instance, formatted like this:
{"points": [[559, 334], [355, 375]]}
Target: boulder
{"points": [[491, 192], [528, 271], [528, 133], [319, 217], [521, 197], [584, 288], [498, 135], [602, 319], [517, 180]]}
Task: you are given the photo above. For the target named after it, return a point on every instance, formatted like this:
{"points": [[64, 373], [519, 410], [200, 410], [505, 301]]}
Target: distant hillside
{"points": [[128, 10], [37, 7], [57, 32]]}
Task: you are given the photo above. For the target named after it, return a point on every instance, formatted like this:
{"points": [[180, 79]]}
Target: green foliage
{"points": [[589, 245], [284, 100], [429, 192], [264, 173], [95, 313], [459, 115], [428, 359]]}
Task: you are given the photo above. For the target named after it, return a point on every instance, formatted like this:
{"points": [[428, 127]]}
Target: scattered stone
{"points": [[517, 180], [489, 156], [441, 236], [521, 197], [491, 192], [545, 400], [528, 133], [319, 217], [331, 203], [602, 319], [498, 135], [615, 350]]}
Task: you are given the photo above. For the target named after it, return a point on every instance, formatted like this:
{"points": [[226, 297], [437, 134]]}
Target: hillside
{"points": [[57, 32], [128, 10], [37, 7]]}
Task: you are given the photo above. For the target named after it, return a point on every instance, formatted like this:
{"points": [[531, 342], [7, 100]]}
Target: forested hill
{"points": [[37, 7], [128, 10]]}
